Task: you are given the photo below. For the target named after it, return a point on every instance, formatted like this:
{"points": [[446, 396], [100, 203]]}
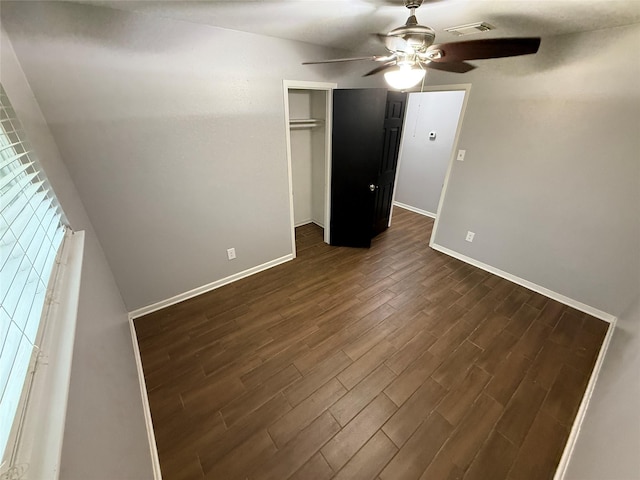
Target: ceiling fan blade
{"points": [[393, 43], [455, 67], [380, 68], [375, 58], [482, 49]]}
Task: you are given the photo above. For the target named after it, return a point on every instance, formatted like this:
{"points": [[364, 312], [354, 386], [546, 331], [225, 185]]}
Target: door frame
{"points": [[454, 151], [466, 87], [328, 89]]}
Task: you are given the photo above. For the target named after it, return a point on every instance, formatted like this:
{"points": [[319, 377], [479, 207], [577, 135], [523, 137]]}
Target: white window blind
{"points": [[32, 229]]}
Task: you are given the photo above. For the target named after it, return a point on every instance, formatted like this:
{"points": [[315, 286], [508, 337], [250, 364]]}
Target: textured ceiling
{"points": [[346, 24]]}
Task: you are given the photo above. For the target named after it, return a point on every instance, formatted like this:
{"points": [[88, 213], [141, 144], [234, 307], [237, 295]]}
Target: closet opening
{"points": [[308, 108]]}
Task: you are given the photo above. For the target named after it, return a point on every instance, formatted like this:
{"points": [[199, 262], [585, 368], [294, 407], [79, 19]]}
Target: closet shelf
{"points": [[305, 122]]}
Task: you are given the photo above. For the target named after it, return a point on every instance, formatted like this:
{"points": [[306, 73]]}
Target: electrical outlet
{"points": [[469, 237], [231, 253], [461, 154]]}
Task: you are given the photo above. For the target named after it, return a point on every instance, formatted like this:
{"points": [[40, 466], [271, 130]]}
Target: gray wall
{"points": [[177, 150], [609, 440], [173, 133], [551, 186], [105, 436], [423, 162], [550, 181]]}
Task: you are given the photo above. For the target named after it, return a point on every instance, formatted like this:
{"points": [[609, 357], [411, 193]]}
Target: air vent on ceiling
{"points": [[470, 28]]}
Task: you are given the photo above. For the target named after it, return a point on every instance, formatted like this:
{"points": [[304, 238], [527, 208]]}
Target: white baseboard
{"points": [[155, 461], [415, 210], [307, 222], [611, 319], [594, 312], [207, 288], [584, 404], [302, 222]]}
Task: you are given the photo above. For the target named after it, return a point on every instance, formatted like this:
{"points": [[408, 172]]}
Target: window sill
{"points": [[39, 439]]}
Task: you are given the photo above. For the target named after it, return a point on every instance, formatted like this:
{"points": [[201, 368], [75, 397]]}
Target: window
{"points": [[32, 228]]}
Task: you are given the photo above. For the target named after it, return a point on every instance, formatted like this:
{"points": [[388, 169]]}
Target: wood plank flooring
{"points": [[396, 362]]}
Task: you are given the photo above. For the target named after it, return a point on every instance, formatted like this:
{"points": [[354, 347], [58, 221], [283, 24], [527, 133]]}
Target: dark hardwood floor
{"points": [[396, 362]]}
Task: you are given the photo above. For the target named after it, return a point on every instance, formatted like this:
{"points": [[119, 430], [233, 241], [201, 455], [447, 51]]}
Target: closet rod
{"points": [[304, 123]]}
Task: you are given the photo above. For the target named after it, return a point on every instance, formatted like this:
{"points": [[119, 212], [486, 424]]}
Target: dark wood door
{"points": [[357, 143], [393, 119]]}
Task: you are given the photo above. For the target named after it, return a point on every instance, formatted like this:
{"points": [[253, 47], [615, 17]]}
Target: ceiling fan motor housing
{"points": [[411, 49], [419, 37]]}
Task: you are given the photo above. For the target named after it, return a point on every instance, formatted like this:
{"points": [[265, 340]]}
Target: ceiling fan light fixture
{"points": [[411, 48], [403, 77]]}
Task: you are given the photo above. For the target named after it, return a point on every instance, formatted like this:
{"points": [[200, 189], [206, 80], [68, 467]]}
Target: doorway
{"points": [[308, 109], [432, 126]]}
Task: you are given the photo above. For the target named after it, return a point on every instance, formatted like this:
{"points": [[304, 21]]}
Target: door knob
{"points": [[372, 187]]}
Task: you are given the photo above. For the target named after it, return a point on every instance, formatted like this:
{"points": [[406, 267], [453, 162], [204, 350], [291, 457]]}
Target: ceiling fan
{"points": [[411, 49]]}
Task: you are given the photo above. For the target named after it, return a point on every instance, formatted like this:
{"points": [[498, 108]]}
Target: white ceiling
{"points": [[346, 24]]}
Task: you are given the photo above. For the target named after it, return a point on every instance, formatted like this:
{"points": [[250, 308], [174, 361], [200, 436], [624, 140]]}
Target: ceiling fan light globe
{"points": [[404, 77]]}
